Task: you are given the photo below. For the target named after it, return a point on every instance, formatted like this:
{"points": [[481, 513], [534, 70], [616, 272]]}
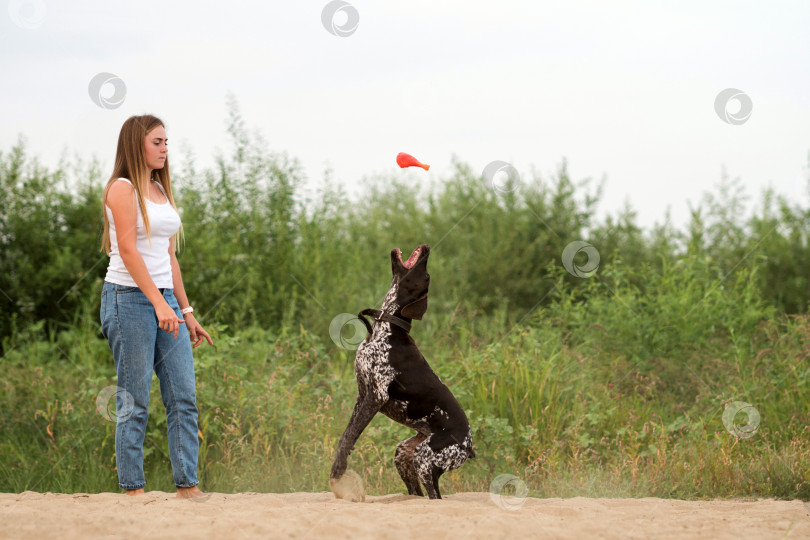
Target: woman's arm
{"points": [[177, 278], [195, 330]]}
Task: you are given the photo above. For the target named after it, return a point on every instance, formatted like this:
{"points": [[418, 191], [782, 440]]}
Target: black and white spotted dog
{"points": [[395, 379]]}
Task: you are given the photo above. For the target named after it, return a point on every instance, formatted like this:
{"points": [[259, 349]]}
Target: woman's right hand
{"points": [[167, 319]]}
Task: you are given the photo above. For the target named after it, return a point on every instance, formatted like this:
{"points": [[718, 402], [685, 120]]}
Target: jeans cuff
{"points": [[189, 486], [131, 486]]}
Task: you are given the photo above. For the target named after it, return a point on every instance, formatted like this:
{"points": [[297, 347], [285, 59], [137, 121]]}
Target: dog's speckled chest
{"points": [[372, 365]]}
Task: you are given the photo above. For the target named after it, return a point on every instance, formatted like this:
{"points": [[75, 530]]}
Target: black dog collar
{"points": [[383, 316]]}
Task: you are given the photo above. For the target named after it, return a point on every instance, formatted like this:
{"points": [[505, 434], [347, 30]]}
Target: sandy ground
{"points": [[320, 515]]}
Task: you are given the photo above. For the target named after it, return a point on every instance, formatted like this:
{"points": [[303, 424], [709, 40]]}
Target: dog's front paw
{"points": [[338, 468], [349, 487]]}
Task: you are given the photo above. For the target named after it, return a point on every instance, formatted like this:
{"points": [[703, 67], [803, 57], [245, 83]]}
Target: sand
{"points": [[457, 516]]}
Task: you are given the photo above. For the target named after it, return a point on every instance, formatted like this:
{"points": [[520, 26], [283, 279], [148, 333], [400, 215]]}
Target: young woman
{"points": [[145, 314]]}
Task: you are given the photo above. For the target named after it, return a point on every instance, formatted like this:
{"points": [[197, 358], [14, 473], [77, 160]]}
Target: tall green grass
{"points": [[619, 395]]}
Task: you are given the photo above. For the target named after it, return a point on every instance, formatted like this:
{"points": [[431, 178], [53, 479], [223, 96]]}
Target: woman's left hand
{"points": [[195, 331]]}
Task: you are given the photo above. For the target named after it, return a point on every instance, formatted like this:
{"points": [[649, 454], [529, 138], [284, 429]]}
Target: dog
{"points": [[395, 379]]}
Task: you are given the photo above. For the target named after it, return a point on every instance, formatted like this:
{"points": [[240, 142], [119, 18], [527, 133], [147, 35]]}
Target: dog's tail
{"points": [[468, 446], [362, 317]]}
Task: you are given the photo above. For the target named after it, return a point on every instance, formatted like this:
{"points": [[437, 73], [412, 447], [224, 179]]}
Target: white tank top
{"points": [[163, 224]]}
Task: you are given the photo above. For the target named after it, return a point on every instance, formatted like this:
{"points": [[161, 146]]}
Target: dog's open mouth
{"points": [[412, 259]]}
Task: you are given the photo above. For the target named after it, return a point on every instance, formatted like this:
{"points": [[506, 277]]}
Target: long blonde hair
{"points": [[130, 163]]}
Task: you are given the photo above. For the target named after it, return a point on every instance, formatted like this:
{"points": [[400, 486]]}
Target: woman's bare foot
{"points": [[136, 492], [190, 493]]}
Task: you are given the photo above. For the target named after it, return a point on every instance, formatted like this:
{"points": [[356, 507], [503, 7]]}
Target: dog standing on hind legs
{"points": [[395, 379]]}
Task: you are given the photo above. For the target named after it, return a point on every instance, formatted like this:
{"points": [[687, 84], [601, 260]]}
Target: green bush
{"points": [[611, 384]]}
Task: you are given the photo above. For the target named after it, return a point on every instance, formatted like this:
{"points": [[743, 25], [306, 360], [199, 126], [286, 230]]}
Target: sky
{"points": [[624, 91]]}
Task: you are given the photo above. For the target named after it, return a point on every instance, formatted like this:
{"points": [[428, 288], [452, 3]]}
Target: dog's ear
{"points": [[415, 310]]}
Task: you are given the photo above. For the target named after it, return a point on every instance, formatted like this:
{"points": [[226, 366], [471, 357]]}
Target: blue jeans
{"points": [[129, 323]]}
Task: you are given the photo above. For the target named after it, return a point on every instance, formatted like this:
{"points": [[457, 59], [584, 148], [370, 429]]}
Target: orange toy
{"points": [[407, 160]]}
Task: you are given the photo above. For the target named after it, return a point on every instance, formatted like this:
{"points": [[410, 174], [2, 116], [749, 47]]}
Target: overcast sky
{"points": [[623, 90]]}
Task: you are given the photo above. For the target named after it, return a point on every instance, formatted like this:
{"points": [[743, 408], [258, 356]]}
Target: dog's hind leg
{"points": [[364, 410], [404, 461], [423, 460], [439, 453]]}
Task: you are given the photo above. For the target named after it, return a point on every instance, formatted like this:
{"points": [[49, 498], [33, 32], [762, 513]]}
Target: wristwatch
{"points": [[189, 309]]}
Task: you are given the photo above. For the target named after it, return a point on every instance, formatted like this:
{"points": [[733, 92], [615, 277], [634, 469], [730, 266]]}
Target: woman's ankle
{"points": [[190, 492]]}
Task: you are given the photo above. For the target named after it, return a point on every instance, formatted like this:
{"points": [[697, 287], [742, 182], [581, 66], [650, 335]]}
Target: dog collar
{"points": [[380, 315]]}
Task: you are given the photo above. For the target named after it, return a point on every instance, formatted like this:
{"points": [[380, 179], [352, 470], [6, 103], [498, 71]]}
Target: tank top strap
{"points": [[161, 188]]}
